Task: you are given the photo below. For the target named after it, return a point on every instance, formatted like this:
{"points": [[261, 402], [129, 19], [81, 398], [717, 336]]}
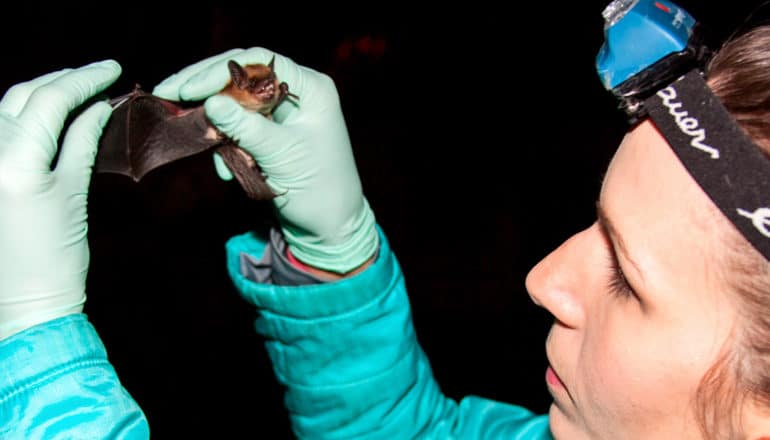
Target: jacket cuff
{"points": [[314, 300], [45, 349]]}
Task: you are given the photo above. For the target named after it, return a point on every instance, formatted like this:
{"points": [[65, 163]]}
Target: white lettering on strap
{"points": [[686, 123], [759, 218]]}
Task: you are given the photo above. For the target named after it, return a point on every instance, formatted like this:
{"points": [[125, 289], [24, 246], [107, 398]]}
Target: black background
{"points": [[481, 134]]}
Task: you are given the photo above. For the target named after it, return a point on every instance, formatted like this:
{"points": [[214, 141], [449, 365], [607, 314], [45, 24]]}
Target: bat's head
{"points": [[256, 87]]}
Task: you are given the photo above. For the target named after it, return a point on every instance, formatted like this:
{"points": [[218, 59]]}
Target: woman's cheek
{"points": [[617, 367]]}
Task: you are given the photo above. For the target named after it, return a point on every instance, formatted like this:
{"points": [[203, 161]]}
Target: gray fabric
{"points": [[274, 267]]}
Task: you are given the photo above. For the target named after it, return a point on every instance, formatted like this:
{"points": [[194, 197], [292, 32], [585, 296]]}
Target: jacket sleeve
{"points": [[347, 353], [56, 382]]}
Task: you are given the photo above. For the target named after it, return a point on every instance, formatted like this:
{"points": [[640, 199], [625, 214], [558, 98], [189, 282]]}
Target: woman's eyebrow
{"points": [[611, 231]]}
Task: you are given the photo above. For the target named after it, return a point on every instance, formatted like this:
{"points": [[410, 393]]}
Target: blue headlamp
{"points": [[648, 44], [653, 60]]}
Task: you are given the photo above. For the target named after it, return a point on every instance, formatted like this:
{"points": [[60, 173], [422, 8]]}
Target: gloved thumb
{"points": [[80, 144], [251, 131]]}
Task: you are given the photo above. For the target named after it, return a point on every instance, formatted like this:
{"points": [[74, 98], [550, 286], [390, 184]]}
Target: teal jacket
{"points": [[346, 352]]}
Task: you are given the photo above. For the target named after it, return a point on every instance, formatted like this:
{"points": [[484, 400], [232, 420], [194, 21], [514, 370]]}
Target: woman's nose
{"points": [[560, 281]]}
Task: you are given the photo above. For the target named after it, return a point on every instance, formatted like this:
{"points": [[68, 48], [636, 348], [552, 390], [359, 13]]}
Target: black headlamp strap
{"points": [[718, 154]]}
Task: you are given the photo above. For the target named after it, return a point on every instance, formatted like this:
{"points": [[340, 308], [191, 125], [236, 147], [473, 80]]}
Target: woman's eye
{"points": [[618, 284]]}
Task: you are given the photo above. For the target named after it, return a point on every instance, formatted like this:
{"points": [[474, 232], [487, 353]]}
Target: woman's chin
{"points": [[562, 427]]}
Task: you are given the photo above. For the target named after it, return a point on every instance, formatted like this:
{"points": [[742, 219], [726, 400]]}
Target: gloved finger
{"points": [[16, 97], [49, 105], [169, 87], [214, 78], [223, 172], [252, 131], [80, 144]]}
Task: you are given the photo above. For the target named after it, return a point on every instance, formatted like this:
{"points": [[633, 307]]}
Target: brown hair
{"points": [[739, 75]]}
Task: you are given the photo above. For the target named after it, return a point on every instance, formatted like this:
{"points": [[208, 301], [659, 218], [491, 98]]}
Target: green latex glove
{"points": [[43, 247], [305, 153]]}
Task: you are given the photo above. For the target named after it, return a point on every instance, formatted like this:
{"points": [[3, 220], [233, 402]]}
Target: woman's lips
{"points": [[552, 378]]}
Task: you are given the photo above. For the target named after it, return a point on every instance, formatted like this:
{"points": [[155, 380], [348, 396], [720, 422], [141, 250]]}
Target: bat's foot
{"points": [[285, 92]]}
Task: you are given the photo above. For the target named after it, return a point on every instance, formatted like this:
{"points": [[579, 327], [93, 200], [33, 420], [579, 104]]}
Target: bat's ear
{"points": [[271, 63], [238, 74]]}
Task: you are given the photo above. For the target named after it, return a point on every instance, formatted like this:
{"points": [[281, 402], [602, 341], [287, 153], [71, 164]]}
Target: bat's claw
{"points": [[120, 100], [285, 91]]}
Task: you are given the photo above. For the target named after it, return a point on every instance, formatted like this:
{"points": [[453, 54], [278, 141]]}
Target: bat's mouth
{"points": [[267, 92]]}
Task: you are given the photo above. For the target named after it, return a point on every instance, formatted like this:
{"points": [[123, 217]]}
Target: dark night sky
{"points": [[481, 137]]}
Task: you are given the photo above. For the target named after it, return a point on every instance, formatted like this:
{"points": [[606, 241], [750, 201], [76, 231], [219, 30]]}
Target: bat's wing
{"points": [[145, 132]]}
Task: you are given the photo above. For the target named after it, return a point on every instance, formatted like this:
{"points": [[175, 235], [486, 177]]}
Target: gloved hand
{"points": [[305, 153], [43, 247]]}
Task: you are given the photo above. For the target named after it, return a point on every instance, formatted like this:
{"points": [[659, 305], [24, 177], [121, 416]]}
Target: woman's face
{"points": [[640, 314]]}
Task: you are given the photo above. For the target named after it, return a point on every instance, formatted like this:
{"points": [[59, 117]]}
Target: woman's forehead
{"points": [[646, 175]]}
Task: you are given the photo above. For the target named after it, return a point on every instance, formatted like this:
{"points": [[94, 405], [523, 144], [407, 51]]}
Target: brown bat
{"points": [[146, 132]]}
